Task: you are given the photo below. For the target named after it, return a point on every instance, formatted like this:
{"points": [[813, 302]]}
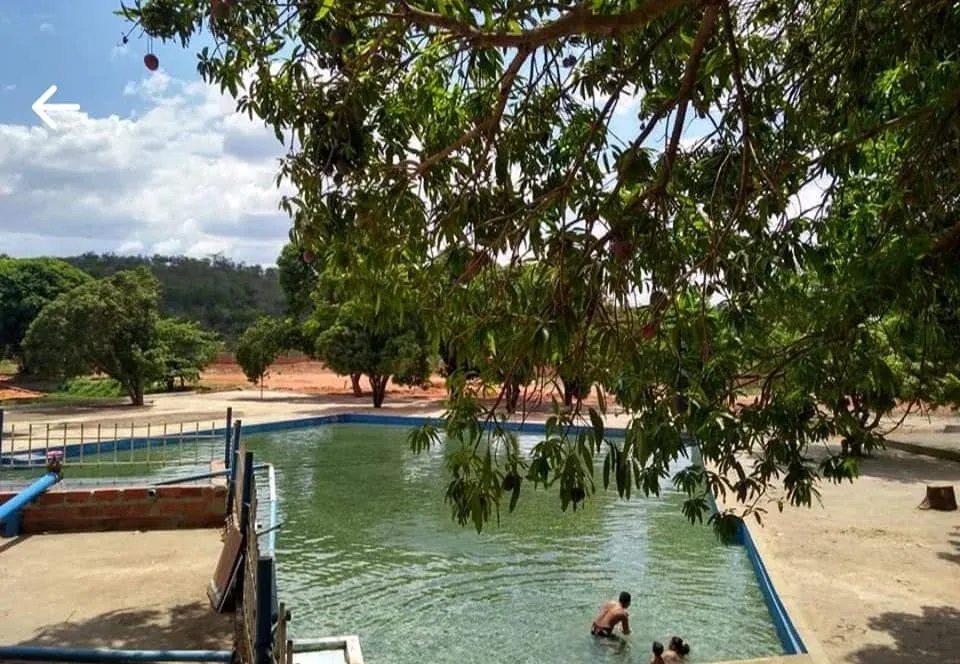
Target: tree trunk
{"points": [[570, 389], [135, 391], [940, 498], [378, 384], [355, 384], [513, 396]]}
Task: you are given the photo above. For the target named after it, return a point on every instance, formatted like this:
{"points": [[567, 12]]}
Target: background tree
{"points": [[805, 179], [260, 345], [106, 326], [183, 350], [381, 353], [367, 320], [27, 285]]}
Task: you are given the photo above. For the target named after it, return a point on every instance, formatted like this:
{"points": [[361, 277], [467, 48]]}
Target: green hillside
{"points": [[220, 294]]}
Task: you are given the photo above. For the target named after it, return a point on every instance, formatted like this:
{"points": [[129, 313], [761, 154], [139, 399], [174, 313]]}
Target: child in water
{"points": [[676, 651], [657, 653]]}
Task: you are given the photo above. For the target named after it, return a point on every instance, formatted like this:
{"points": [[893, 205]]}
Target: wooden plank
{"points": [[228, 567]]}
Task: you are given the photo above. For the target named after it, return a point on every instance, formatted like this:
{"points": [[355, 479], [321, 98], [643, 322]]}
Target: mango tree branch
{"points": [[488, 125], [743, 102], [686, 89], [579, 21]]}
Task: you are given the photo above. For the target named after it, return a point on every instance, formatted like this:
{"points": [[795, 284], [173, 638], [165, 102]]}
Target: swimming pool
{"points": [[368, 547]]}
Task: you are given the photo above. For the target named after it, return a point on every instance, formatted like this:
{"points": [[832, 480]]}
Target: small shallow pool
{"points": [[368, 547]]}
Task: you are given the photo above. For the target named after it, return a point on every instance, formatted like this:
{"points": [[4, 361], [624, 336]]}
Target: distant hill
{"points": [[218, 293]]}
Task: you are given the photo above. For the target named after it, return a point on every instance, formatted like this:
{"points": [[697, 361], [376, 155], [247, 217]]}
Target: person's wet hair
{"points": [[677, 645], [625, 599], [657, 648]]}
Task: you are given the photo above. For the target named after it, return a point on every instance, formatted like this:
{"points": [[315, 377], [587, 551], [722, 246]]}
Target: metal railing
{"points": [[97, 444], [98, 453]]}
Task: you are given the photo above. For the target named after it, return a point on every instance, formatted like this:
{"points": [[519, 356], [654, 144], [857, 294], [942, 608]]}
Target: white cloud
{"points": [[46, 28], [184, 175], [10, 87]]}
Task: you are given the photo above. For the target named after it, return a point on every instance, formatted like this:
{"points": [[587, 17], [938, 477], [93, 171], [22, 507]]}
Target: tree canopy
{"points": [[367, 318], [260, 345], [722, 188], [106, 326], [27, 285], [183, 350], [297, 280]]}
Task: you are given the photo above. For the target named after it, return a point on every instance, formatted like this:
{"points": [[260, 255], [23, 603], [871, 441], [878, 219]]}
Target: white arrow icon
{"points": [[40, 107]]}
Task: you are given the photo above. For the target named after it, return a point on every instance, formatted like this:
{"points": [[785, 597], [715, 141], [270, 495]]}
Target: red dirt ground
{"points": [[306, 376], [8, 391]]}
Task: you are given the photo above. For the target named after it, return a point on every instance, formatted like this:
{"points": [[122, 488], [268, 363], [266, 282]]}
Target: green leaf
{"points": [[324, 9], [597, 423]]}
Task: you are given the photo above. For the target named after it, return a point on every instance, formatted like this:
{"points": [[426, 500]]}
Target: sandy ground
{"points": [[875, 579], [121, 590]]}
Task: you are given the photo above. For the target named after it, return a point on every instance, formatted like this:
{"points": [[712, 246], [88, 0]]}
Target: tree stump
{"points": [[940, 498]]}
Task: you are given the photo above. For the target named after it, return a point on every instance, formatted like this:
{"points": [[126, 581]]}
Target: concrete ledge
{"points": [[328, 650], [783, 659], [789, 636], [799, 644], [925, 450]]}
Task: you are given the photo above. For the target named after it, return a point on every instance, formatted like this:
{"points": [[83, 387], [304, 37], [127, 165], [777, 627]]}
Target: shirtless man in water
{"points": [[611, 614]]}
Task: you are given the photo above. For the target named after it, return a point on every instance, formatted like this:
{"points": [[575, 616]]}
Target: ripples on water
{"points": [[368, 547]]}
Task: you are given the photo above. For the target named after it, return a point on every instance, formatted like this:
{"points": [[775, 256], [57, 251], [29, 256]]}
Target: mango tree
{"points": [[27, 285], [794, 162], [107, 326]]}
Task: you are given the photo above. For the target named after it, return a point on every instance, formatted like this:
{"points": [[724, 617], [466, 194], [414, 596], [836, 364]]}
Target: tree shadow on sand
{"points": [[193, 626], [953, 557], [933, 636], [897, 466]]}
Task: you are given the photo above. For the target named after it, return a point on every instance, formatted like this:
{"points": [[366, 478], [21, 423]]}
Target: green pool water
{"points": [[368, 547]]}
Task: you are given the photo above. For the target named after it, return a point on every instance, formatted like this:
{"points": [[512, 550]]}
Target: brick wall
{"points": [[139, 508]]}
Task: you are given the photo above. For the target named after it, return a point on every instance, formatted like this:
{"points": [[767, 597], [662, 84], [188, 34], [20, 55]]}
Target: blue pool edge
{"points": [[790, 638]]}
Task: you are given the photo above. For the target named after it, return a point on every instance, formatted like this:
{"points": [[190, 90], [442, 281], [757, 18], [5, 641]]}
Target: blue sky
{"points": [[154, 162], [74, 45]]}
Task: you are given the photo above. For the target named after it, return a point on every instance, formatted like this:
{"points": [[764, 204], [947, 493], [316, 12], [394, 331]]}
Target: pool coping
{"points": [[792, 642]]}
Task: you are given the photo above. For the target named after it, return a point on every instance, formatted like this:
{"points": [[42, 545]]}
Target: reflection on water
{"points": [[368, 547]]}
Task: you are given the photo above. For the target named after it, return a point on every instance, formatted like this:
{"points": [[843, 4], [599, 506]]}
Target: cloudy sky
{"points": [[152, 163]]}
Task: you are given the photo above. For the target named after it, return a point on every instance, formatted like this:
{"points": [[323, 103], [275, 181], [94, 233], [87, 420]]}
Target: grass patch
{"points": [[8, 367], [90, 387], [92, 390]]}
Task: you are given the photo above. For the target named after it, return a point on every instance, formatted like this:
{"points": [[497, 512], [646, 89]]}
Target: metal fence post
{"points": [[247, 494], [226, 448], [232, 476], [265, 584]]}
